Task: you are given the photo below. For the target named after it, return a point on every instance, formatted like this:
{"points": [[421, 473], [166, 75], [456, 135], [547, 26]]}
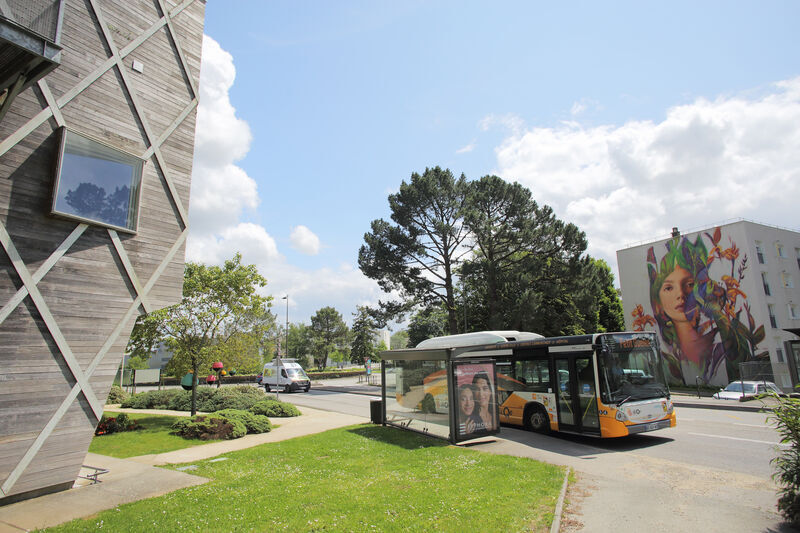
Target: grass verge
{"points": [[359, 478], [154, 437]]}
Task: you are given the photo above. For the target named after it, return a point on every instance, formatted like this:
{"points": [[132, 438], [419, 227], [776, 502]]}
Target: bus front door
{"points": [[577, 397]]}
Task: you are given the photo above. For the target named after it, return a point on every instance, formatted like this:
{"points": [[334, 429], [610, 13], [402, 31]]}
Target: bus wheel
{"points": [[537, 419], [266, 387]]}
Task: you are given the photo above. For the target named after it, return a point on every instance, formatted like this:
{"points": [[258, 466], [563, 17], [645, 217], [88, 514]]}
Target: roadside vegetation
{"points": [[153, 435], [362, 478], [786, 416]]}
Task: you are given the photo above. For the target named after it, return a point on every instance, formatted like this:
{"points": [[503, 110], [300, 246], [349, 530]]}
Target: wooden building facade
{"points": [[95, 169]]}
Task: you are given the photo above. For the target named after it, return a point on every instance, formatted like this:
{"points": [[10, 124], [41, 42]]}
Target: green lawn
{"points": [[154, 437], [362, 478]]}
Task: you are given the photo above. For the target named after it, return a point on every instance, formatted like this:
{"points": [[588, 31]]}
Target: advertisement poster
{"points": [[476, 398]]}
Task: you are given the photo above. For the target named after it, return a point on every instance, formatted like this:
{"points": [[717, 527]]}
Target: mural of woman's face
{"points": [[484, 392], [674, 292]]}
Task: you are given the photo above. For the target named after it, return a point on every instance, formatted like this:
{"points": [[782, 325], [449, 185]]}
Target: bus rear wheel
{"points": [[537, 419]]}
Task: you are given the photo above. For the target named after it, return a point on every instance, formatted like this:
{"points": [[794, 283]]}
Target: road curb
{"points": [[560, 505], [350, 390], [720, 407]]}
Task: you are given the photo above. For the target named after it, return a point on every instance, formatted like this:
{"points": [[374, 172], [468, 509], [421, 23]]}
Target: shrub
{"points": [[116, 395], [786, 415], [209, 427], [111, 424], [253, 422], [274, 408], [183, 400], [238, 397], [154, 399]]}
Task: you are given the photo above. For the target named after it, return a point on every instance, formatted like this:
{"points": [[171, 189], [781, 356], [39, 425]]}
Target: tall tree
{"points": [[426, 323], [329, 333], [362, 346], [504, 223], [417, 256], [218, 303], [301, 344], [522, 275]]}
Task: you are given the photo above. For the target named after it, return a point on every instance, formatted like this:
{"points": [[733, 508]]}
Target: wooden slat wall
{"points": [[87, 290]]}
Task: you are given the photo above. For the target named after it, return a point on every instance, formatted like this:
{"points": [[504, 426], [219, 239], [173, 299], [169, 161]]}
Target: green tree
{"points": [[418, 255], [329, 332], [136, 362], [145, 338], [426, 323], [399, 340], [218, 303], [301, 344], [506, 225], [362, 335], [524, 276]]}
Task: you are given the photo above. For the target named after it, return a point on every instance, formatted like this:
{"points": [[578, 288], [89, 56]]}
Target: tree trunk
{"points": [[194, 386]]}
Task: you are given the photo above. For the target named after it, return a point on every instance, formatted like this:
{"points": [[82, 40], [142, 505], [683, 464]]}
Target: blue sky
{"points": [[627, 118]]}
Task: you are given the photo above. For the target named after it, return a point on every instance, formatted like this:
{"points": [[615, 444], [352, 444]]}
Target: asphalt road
{"points": [[734, 441]]}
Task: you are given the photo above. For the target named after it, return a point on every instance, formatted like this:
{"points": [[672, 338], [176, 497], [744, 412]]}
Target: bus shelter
{"points": [[441, 392]]}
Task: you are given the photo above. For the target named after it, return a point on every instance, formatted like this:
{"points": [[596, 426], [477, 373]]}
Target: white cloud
{"points": [[222, 192], [304, 240], [220, 189], [708, 161], [508, 121], [577, 108], [466, 149]]}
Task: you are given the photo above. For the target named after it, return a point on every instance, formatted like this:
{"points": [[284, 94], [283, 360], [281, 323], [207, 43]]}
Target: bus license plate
{"points": [[652, 427]]}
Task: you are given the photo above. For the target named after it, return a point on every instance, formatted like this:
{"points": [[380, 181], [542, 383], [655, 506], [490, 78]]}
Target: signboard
{"points": [[476, 399]]}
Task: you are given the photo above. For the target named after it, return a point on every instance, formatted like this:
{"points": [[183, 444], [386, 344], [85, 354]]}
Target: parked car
{"points": [[736, 390]]}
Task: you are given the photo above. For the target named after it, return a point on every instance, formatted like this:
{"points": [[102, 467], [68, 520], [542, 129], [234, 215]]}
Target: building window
{"points": [[797, 252], [788, 282], [766, 283], [760, 253], [96, 183], [794, 313], [780, 250], [773, 321], [780, 355]]}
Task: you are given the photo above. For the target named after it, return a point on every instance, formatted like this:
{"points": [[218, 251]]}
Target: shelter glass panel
{"points": [[417, 396]]}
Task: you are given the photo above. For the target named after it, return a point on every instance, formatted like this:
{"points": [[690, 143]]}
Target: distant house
{"points": [[725, 301], [97, 122]]}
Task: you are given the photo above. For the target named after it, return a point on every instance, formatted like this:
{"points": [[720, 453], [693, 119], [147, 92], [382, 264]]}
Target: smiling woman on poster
{"points": [[484, 395]]}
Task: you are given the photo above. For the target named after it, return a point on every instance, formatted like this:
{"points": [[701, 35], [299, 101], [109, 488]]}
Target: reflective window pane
{"points": [[97, 183]]}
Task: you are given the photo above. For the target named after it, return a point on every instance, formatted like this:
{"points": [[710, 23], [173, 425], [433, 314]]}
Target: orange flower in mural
{"points": [[731, 253], [640, 319]]}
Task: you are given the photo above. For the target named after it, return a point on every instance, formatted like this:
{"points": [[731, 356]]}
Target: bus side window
{"points": [[535, 374]]}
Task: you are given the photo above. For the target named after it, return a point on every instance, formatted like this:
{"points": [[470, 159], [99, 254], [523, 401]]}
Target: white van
{"points": [[284, 374]]}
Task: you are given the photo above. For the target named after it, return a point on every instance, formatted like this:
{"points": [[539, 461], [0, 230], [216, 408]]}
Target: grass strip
{"points": [[361, 478], [153, 437]]}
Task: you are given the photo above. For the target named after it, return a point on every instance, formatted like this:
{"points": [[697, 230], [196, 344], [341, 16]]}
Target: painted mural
{"points": [[699, 309]]}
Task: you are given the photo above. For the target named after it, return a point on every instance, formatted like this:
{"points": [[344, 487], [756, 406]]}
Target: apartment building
{"points": [[725, 301]]}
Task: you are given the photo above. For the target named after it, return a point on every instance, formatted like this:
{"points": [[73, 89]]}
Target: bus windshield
{"points": [[631, 369]]}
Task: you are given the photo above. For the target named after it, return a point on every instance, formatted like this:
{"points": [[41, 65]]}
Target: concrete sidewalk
{"points": [[138, 478]]}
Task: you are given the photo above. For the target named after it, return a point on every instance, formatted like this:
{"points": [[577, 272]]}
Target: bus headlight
{"points": [[622, 417]]}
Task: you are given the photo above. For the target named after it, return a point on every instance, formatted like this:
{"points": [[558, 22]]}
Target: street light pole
{"points": [[286, 346], [286, 349]]}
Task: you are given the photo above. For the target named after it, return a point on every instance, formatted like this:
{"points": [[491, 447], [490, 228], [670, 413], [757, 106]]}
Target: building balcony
{"points": [[29, 45]]}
